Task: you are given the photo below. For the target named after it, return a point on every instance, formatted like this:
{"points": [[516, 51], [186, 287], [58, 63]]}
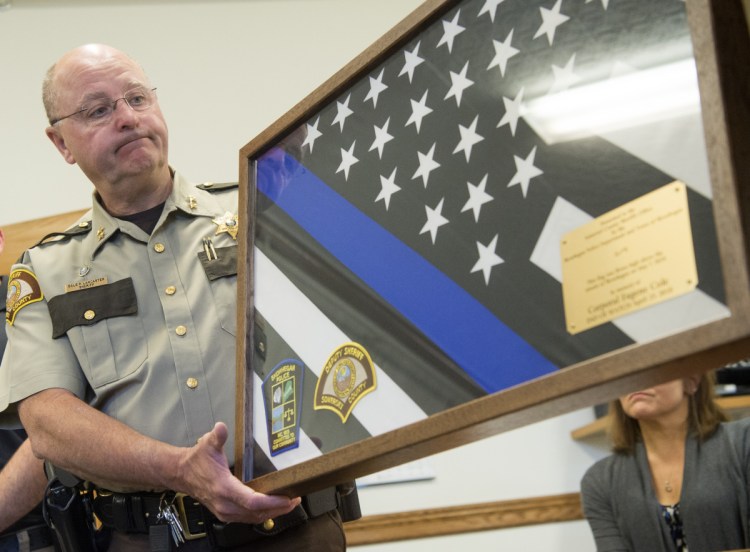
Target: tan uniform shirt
{"points": [[143, 326]]}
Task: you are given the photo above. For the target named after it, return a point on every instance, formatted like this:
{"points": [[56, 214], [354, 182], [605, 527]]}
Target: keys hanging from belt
{"points": [[168, 514]]}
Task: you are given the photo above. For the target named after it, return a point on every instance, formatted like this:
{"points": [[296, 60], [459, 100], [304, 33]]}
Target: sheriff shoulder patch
{"points": [[347, 376], [23, 289]]}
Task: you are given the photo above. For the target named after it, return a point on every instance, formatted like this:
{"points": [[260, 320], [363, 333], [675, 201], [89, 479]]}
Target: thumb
{"points": [[217, 437]]}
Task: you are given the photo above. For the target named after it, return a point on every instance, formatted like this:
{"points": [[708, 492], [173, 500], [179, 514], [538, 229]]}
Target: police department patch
{"points": [[23, 289], [347, 376], [282, 395]]}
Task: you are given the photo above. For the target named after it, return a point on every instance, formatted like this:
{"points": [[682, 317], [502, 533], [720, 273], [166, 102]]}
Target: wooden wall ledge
{"points": [[435, 522], [22, 235]]}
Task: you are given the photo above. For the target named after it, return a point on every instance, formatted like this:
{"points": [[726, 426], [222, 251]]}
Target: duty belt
{"points": [[139, 512]]}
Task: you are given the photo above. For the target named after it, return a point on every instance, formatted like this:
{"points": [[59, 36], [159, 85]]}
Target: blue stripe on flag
{"points": [[490, 352]]}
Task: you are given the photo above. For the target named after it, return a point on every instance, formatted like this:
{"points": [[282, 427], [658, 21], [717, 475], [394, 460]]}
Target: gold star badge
{"points": [[227, 223]]}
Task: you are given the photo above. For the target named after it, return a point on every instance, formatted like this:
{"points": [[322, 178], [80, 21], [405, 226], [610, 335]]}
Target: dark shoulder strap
{"points": [[83, 227], [217, 186]]}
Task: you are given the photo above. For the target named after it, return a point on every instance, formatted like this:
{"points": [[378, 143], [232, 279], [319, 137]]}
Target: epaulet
{"points": [[217, 186], [82, 227]]}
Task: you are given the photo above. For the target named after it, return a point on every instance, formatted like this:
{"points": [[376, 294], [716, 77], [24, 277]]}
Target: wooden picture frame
{"points": [[720, 45]]}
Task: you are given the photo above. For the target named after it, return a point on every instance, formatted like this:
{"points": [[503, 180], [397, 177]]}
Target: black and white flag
{"points": [[421, 213]]}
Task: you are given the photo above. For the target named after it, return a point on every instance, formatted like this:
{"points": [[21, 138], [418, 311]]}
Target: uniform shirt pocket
{"points": [[114, 343], [221, 270]]}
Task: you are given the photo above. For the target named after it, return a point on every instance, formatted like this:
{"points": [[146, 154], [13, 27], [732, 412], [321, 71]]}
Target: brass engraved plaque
{"points": [[634, 256]]}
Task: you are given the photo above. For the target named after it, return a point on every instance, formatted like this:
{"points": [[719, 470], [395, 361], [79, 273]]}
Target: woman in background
{"points": [[678, 477]]}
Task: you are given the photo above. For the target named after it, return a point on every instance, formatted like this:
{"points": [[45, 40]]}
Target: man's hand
{"points": [[204, 475]]}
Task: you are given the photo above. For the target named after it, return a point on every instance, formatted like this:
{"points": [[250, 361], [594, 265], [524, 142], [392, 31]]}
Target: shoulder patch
{"points": [[83, 227], [217, 186], [23, 290]]}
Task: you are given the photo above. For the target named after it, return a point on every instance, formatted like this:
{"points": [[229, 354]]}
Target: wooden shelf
{"points": [[453, 520], [736, 407]]}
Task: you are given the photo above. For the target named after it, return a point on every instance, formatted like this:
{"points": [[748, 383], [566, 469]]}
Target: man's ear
{"points": [[54, 135]]}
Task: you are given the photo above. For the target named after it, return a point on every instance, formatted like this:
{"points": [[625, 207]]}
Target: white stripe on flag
{"points": [[314, 337], [688, 162], [675, 315]]}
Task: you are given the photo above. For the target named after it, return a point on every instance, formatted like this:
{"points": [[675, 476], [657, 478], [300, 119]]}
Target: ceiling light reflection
{"points": [[620, 102]]}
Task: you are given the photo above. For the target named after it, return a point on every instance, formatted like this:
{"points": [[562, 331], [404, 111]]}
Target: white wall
{"points": [[536, 460], [225, 71]]}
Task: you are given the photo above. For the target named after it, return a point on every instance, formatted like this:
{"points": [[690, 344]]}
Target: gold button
{"points": [[170, 290], [159, 247], [89, 315], [268, 524], [192, 383], [180, 330], [83, 224]]}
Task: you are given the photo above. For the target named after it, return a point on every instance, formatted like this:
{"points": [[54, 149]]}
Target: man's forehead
{"points": [[85, 80]]}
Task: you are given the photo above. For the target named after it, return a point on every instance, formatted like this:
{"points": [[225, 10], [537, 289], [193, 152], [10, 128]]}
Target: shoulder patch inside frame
{"points": [[347, 376]]}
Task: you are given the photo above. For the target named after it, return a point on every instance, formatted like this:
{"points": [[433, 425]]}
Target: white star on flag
{"points": [[459, 83], [564, 76], [435, 220], [388, 188], [418, 111], [342, 112], [490, 7], [381, 138], [376, 87], [451, 29], [469, 138], [412, 59], [503, 52], [551, 19], [512, 112], [477, 198], [487, 259], [605, 3], [525, 171], [347, 160], [312, 134], [426, 165]]}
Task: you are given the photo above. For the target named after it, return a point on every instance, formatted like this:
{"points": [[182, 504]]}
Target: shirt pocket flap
{"points": [[224, 264], [86, 307]]}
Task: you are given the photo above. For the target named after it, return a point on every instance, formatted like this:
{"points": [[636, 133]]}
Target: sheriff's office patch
{"points": [[23, 289], [282, 395], [347, 376]]}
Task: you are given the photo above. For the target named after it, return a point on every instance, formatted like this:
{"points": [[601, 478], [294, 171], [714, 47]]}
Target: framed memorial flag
{"points": [[502, 211]]}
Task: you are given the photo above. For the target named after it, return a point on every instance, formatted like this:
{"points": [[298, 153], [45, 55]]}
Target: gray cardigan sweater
{"points": [[620, 505]]}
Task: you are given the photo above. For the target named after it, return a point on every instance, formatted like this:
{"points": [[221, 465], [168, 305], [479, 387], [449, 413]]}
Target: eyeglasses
{"points": [[101, 112]]}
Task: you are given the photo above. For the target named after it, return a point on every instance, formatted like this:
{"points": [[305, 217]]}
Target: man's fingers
{"points": [[268, 506]]}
